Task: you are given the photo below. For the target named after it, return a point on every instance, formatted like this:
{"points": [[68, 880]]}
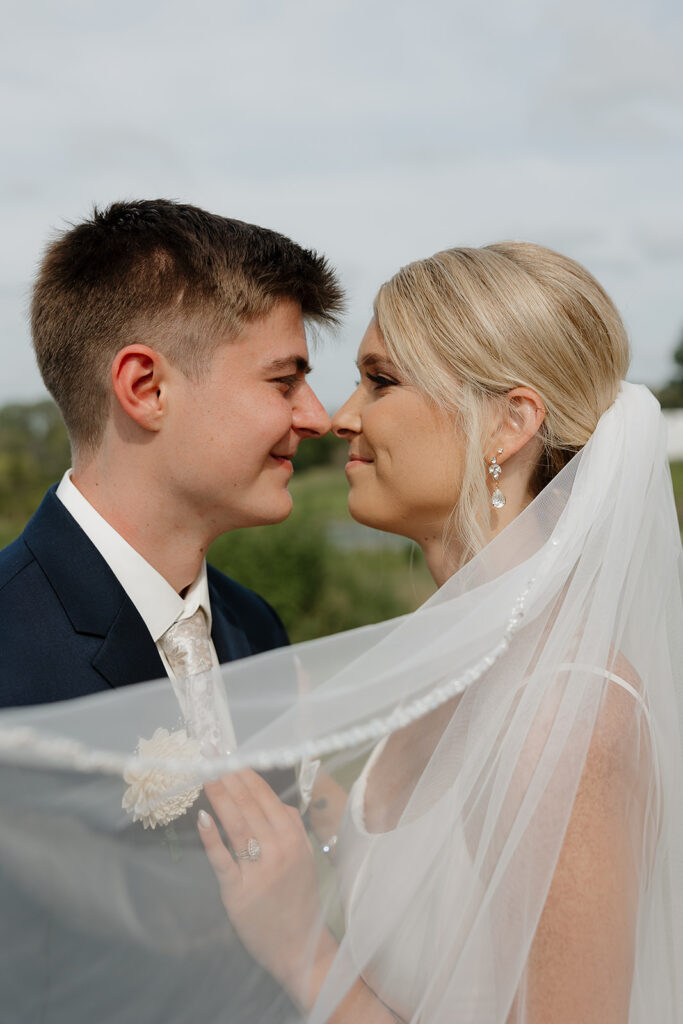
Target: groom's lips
{"points": [[283, 458]]}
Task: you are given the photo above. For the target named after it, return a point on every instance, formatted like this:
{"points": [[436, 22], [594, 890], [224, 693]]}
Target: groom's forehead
{"points": [[275, 342]]}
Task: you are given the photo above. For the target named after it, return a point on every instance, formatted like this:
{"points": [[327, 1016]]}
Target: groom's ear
{"points": [[138, 376]]}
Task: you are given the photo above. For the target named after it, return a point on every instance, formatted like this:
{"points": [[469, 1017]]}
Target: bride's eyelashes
{"points": [[380, 381]]}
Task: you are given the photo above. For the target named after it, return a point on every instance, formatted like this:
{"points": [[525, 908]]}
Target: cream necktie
{"points": [[200, 692], [187, 646]]}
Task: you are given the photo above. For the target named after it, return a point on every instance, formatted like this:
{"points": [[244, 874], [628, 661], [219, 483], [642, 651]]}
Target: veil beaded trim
{"points": [[30, 745], [24, 741], [553, 657]]}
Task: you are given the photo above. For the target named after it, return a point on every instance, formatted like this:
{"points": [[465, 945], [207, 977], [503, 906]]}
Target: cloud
{"points": [[662, 243], [617, 76], [377, 133]]}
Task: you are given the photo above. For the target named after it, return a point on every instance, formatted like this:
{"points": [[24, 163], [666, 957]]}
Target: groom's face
{"points": [[231, 438]]}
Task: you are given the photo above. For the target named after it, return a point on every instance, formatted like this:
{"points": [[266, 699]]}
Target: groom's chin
{"points": [[262, 507], [274, 511]]}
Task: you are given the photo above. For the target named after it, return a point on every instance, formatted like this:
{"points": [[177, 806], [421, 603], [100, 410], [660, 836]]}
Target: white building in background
{"points": [[674, 425]]}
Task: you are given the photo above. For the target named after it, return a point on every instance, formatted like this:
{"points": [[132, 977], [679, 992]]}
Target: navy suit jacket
{"points": [[68, 628]]}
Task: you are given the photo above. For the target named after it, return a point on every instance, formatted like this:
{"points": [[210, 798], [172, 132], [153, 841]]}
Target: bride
{"points": [[494, 822], [503, 855]]}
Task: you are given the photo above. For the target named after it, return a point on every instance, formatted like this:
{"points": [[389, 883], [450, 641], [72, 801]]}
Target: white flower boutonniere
{"points": [[154, 797]]}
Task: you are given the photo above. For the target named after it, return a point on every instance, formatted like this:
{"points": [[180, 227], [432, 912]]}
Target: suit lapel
{"points": [[228, 637], [98, 606], [86, 587], [91, 595], [231, 642], [128, 653]]}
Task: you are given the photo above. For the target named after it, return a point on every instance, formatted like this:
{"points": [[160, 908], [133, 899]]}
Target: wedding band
{"points": [[252, 852]]}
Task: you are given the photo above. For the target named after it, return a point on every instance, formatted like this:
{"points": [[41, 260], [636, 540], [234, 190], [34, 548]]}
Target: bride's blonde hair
{"points": [[469, 325]]}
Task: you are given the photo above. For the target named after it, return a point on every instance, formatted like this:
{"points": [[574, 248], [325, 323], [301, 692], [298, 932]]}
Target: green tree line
{"points": [[671, 394], [320, 570]]}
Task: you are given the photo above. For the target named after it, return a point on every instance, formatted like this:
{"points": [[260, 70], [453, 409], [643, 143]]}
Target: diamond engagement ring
{"points": [[252, 852]]}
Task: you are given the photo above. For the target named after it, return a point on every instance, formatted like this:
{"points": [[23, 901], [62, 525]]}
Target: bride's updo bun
{"points": [[468, 325]]}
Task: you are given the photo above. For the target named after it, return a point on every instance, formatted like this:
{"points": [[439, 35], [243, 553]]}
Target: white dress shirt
{"points": [[158, 603]]}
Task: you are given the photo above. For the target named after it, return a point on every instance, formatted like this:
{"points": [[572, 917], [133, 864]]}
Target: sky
{"points": [[375, 131]]}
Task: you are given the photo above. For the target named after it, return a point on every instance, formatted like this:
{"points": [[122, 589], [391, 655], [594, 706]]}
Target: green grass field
{"points": [[323, 572]]}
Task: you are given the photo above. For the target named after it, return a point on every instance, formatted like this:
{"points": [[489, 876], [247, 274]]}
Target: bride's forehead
{"points": [[372, 348], [373, 336]]}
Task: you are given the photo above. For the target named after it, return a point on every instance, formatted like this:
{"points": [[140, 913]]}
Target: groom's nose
{"points": [[308, 415]]}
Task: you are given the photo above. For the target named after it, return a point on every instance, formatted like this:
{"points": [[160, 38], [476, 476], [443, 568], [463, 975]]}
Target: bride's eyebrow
{"points": [[374, 359]]}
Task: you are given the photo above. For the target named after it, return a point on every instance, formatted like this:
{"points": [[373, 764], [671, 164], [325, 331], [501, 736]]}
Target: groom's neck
{"points": [[138, 506]]}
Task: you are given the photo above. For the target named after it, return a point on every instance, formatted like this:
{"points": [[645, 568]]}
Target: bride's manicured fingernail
{"points": [[204, 820]]}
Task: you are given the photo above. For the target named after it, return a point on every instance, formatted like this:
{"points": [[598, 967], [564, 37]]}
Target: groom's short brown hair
{"points": [[165, 274]]}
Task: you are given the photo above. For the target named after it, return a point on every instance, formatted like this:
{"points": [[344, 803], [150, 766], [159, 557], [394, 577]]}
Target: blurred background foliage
{"points": [[671, 395], [322, 571], [34, 452]]}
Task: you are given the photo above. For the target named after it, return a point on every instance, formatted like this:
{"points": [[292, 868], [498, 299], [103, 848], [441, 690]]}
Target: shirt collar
{"points": [[155, 599]]}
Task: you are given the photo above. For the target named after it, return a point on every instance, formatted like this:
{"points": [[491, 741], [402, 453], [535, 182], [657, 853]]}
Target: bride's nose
{"points": [[347, 420]]}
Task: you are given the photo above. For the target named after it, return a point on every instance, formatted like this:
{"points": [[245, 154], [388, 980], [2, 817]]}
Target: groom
{"points": [[173, 342]]}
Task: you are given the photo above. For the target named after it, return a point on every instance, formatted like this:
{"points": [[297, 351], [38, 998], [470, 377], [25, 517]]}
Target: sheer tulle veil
{"points": [[543, 675]]}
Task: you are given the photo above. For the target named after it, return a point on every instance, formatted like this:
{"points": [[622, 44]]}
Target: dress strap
{"points": [[604, 674]]}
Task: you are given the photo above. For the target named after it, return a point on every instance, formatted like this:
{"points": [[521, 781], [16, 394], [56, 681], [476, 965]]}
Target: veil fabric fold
{"points": [[527, 716]]}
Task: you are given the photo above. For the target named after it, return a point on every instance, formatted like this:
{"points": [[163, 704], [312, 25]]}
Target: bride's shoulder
{"points": [[610, 707], [621, 747], [624, 703]]}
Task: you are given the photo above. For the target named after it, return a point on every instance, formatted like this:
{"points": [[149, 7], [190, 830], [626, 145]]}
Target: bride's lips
{"points": [[357, 460]]}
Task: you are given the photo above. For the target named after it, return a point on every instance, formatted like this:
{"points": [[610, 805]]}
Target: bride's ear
{"points": [[520, 421]]}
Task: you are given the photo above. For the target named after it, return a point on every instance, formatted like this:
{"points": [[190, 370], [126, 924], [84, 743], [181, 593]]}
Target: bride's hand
{"points": [[272, 896]]}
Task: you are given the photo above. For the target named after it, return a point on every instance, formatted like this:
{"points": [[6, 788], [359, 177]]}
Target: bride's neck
{"points": [[442, 559], [444, 555]]}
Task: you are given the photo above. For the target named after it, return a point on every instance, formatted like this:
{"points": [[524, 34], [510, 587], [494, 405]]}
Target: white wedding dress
{"points": [[401, 969], [398, 970]]}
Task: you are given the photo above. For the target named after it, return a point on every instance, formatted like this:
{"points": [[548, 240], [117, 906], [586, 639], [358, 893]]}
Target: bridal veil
{"points": [[532, 702]]}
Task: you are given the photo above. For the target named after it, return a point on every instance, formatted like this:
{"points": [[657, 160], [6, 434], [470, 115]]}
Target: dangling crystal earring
{"points": [[497, 498]]}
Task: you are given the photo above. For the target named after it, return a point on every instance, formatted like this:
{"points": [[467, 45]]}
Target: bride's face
{"points": [[405, 454]]}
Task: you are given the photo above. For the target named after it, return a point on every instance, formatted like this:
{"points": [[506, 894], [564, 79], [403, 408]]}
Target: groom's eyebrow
{"points": [[295, 364]]}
